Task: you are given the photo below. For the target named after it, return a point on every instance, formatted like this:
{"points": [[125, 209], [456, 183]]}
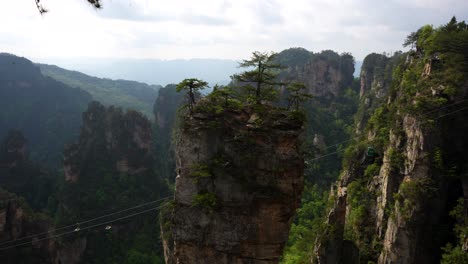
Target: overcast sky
{"points": [[231, 29]]}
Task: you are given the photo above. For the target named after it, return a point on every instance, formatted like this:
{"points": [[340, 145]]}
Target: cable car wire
{"points": [[86, 221], [84, 228]]}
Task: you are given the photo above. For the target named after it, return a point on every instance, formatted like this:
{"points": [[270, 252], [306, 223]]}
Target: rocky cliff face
{"points": [[13, 150], [375, 82], [240, 177], [376, 74], [17, 220], [166, 106], [21, 176], [165, 110], [109, 168], [123, 139], [324, 74], [394, 206], [27, 237]]}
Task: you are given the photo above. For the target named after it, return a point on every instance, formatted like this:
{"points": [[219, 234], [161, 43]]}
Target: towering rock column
{"points": [[240, 178]]}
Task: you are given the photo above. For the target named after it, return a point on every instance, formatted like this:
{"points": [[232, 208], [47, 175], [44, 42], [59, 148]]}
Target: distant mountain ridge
{"points": [[126, 94], [153, 71]]}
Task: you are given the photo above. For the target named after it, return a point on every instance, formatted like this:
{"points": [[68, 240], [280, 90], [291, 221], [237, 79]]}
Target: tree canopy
{"points": [[298, 95], [191, 85], [263, 75]]}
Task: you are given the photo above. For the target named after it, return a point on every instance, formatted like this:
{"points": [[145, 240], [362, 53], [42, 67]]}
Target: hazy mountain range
{"points": [[154, 71]]}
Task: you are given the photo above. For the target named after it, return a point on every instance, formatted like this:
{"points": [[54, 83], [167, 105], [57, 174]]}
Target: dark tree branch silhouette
{"points": [[42, 9]]}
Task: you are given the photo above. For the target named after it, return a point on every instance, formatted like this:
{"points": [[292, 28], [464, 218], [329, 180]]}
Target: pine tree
{"points": [[263, 76], [191, 85], [297, 95]]}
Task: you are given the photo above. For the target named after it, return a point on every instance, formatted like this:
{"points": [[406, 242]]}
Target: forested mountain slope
{"points": [[126, 94], [46, 111]]}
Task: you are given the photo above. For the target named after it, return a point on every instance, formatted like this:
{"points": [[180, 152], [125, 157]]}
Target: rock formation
{"points": [[394, 206], [324, 74], [17, 220], [375, 81], [109, 168], [240, 177], [165, 110], [20, 175], [26, 236], [108, 134], [13, 150], [166, 106]]}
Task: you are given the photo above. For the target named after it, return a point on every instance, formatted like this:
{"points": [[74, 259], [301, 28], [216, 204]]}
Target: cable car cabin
{"points": [[370, 152], [368, 156]]}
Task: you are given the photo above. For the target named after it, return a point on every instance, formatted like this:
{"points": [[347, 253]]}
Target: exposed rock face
{"points": [[376, 79], [404, 194], [166, 106], [34, 244], [13, 150], [373, 75], [324, 74], [239, 183], [110, 167], [109, 134], [319, 142], [408, 200], [330, 248], [21, 176], [165, 111], [410, 235], [17, 221]]}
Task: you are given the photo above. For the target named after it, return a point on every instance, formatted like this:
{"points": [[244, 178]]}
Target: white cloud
{"points": [[214, 28]]}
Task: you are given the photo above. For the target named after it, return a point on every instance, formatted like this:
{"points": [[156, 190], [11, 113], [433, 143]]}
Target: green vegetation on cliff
{"points": [[416, 123], [109, 168]]}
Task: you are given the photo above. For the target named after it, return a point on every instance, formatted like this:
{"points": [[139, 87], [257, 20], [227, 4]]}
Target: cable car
{"points": [[370, 152], [108, 227]]}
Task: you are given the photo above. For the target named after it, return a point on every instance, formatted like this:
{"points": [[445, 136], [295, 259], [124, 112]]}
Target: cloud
{"points": [[228, 29], [205, 20], [268, 12], [128, 11], [140, 12]]}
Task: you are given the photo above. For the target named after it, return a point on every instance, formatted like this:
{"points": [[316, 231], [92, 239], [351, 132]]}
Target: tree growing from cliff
{"points": [[223, 93], [262, 76], [297, 95], [191, 85]]}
